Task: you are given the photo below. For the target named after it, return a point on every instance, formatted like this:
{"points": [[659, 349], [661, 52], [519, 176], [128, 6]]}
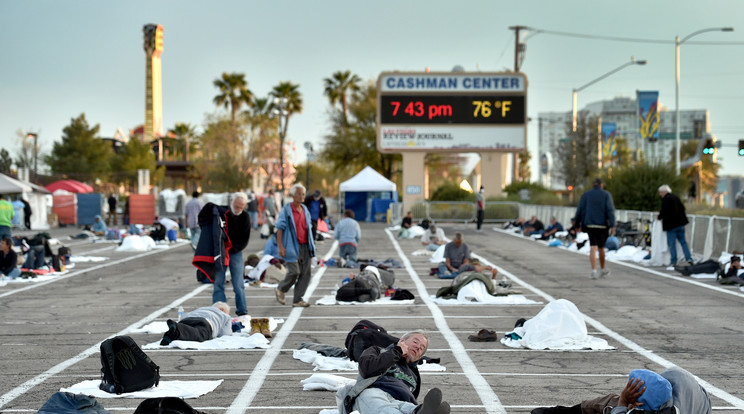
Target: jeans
{"points": [[444, 273], [348, 252], [432, 247], [677, 233], [35, 258], [375, 400], [236, 277], [254, 219], [4, 231], [14, 273], [195, 233]]}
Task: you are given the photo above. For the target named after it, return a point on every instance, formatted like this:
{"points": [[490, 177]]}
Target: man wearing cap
{"points": [[647, 392], [673, 220], [318, 210], [596, 216]]}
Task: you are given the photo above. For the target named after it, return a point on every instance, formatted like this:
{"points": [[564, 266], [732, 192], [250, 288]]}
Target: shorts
{"points": [[597, 236]]}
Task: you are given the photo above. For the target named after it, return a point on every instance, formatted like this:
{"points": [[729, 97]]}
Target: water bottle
{"points": [[180, 312]]}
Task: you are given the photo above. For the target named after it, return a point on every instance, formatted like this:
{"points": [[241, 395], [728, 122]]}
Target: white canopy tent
{"points": [[34, 194], [367, 193]]}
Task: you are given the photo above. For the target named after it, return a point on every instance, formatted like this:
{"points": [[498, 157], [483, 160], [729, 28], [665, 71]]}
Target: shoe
{"points": [[280, 296], [484, 335], [431, 404], [264, 326], [444, 408], [300, 304], [576, 409], [604, 272], [255, 326], [593, 275], [690, 262]]}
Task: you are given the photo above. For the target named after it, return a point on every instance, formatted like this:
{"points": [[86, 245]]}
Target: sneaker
{"points": [[280, 296], [300, 304], [431, 404], [604, 272], [593, 275]]}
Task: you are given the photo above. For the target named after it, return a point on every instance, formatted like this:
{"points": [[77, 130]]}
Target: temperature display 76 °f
{"points": [[453, 109]]}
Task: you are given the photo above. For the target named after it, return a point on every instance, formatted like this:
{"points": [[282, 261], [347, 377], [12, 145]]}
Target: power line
{"points": [[630, 39]]}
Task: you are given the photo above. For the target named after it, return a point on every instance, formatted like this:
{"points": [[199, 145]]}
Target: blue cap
{"points": [[658, 389]]}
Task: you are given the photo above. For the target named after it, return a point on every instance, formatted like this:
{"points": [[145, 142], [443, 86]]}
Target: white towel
{"points": [[182, 389], [81, 259], [325, 382], [323, 363], [331, 300], [238, 341]]}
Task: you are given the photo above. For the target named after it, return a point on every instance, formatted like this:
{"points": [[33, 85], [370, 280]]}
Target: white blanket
{"points": [[438, 256], [81, 259], [136, 243], [182, 389], [236, 341], [331, 300], [324, 363], [159, 327], [325, 382], [559, 325], [475, 293]]}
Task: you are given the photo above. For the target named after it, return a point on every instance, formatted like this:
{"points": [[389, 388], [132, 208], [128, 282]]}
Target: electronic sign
{"points": [[451, 111]]}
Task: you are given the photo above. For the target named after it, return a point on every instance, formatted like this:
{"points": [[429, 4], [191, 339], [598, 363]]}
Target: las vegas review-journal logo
{"points": [[407, 134]]}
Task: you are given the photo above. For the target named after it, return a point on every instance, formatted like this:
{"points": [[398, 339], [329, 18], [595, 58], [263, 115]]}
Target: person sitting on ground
{"points": [[171, 228], [397, 388], [552, 229], [405, 225], [534, 226], [99, 226], [518, 223], [734, 267], [433, 238], [646, 390], [456, 258], [8, 259], [201, 324], [158, 231], [38, 250], [348, 235]]}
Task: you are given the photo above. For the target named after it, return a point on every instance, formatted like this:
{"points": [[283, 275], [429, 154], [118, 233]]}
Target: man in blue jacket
{"points": [[596, 216], [294, 238]]}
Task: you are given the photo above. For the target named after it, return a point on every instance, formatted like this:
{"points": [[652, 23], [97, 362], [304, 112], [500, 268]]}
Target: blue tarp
{"points": [[379, 205], [88, 207], [357, 202]]}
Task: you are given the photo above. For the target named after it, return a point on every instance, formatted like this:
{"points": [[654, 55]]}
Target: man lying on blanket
{"points": [[200, 325]]}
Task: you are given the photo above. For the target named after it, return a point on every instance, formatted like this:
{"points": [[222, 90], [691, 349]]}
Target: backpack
{"points": [[125, 367], [425, 224], [365, 334], [58, 263], [165, 405]]}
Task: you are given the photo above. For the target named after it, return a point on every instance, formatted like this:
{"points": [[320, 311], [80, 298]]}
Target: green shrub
{"points": [[451, 192], [636, 187]]}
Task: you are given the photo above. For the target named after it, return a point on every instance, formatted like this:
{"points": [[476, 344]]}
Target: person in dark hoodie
{"points": [[673, 220], [596, 216], [649, 393], [238, 227], [399, 383]]}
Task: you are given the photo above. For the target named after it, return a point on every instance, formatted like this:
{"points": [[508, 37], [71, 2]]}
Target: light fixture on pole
{"points": [[579, 89], [280, 110], [35, 137], [677, 44]]}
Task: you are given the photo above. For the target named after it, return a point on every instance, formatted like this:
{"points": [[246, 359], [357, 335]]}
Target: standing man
{"points": [[112, 218], [296, 246], [318, 210], [673, 220], [27, 213], [6, 216], [596, 216], [238, 226], [192, 209], [481, 201], [348, 235], [253, 210]]}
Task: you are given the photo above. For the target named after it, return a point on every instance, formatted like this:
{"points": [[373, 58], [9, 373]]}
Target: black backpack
{"points": [[125, 367], [365, 334], [165, 405], [425, 224]]}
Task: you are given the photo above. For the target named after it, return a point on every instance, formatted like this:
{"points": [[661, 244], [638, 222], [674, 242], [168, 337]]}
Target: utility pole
{"points": [[518, 58]]}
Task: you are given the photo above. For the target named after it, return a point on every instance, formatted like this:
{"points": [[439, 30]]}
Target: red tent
{"points": [[71, 186]]}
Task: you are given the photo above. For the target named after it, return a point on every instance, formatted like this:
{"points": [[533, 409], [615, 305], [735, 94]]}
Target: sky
{"points": [[59, 59]]}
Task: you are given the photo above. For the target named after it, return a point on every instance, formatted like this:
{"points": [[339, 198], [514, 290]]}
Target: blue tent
{"points": [[368, 193]]}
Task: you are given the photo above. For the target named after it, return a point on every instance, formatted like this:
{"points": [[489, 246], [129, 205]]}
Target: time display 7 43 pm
{"points": [[452, 109]]}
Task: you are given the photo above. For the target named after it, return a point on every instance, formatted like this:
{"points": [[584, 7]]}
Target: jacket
{"points": [[596, 208], [8, 262], [672, 214], [285, 222], [212, 252], [323, 207], [348, 232], [392, 366]]}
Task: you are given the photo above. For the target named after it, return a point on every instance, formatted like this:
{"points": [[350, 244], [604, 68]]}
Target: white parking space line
{"points": [[650, 355], [74, 273], [26, 386], [490, 400], [242, 402]]}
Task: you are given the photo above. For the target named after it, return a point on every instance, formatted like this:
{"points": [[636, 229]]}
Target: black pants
{"points": [[481, 214], [27, 221], [314, 227], [194, 329]]}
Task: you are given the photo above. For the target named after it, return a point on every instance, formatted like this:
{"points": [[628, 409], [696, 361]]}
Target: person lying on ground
{"points": [[518, 223], [456, 258], [534, 226], [99, 226], [201, 324], [734, 267], [433, 238], [646, 392], [399, 383], [552, 229], [8, 259]]}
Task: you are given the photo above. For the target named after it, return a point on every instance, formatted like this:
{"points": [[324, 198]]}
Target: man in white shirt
{"points": [[433, 238]]}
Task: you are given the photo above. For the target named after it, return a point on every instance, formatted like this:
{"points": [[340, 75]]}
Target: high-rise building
{"points": [[554, 127], [153, 34]]}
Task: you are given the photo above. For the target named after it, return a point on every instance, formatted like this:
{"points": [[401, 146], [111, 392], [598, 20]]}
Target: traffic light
{"points": [[741, 147], [709, 148]]}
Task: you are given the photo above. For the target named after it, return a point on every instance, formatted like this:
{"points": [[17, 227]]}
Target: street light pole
{"points": [[574, 97], [310, 155], [677, 44], [281, 103]]}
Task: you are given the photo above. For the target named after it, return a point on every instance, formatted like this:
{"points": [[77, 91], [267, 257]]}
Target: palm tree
{"points": [[337, 88], [234, 93], [287, 101], [185, 134]]}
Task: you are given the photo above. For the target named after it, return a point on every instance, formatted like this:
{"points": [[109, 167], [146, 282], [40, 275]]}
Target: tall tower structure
{"points": [[153, 85]]}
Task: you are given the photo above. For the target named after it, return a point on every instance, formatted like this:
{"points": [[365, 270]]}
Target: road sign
{"points": [[460, 111]]}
